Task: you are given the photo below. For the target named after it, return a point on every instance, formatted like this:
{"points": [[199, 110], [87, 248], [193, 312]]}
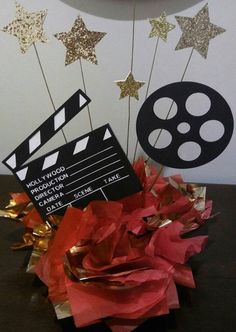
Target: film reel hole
{"points": [[189, 151], [183, 128], [160, 138], [198, 104], [212, 130], [165, 108]]}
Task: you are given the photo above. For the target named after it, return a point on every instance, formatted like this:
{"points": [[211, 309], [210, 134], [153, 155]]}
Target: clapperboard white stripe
{"points": [[22, 173], [81, 145], [59, 119], [47, 130], [50, 160], [107, 134], [11, 161], [34, 142]]}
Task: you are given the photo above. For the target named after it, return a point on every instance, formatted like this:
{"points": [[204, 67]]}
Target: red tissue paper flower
{"points": [[120, 261]]}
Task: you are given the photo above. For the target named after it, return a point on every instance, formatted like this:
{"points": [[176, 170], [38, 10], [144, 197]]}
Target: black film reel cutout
{"points": [[184, 127]]}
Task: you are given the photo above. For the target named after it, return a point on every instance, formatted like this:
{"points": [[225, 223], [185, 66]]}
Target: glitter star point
{"points": [[160, 27], [80, 42], [129, 87], [197, 31], [27, 27]]}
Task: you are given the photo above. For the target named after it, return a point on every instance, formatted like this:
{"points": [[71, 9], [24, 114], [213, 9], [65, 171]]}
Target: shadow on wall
{"points": [[117, 9]]}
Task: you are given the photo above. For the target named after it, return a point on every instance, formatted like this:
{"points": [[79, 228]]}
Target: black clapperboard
{"points": [[91, 167]]}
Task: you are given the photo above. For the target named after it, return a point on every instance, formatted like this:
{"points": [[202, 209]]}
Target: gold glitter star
{"points": [[27, 27], [160, 27], [197, 31], [129, 87], [80, 42]]}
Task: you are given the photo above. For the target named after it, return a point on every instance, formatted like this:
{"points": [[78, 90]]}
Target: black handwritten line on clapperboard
{"points": [[92, 167]]}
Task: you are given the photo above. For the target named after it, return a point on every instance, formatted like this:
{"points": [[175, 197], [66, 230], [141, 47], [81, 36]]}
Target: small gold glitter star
{"points": [[197, 31], [160, 27], [129, 87], [80, 42], [27, 27]]}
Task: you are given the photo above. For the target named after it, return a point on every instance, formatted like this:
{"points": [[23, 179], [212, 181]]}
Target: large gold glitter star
{"points": [[197, 31], [129, 87], [160, 27], [27, 27], [80, 42]]}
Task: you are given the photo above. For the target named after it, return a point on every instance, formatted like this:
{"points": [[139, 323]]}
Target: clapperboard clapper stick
{"points": [[92, 167], [47, 130]]}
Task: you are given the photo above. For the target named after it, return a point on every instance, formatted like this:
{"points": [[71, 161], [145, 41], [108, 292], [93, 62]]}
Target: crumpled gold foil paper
{"points": [[38, 239], [16, 210]]}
